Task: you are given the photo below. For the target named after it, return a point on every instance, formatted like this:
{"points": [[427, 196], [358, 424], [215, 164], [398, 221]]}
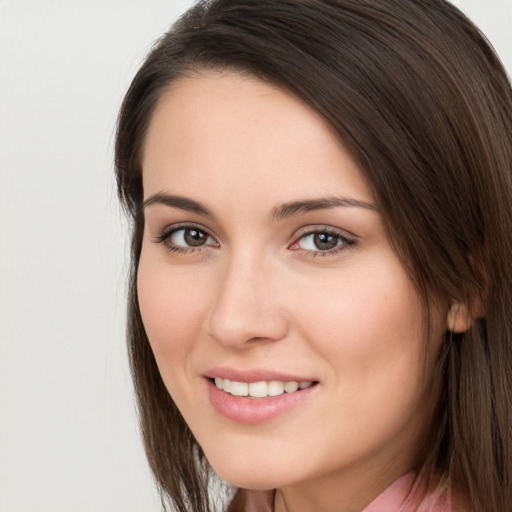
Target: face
{"points": [[283, 323]]}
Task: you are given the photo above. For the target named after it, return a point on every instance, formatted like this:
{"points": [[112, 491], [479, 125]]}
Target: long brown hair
{"points": [[422, 103]]}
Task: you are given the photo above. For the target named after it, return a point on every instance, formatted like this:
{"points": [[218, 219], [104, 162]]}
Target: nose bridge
{"points": [[246, 306]]}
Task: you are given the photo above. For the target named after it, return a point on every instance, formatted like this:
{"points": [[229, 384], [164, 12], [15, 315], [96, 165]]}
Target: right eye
{"points": [[186, 238], [189, 237]]}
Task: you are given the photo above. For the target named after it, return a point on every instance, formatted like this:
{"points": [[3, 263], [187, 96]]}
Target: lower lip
{"points": [[254, 411]]}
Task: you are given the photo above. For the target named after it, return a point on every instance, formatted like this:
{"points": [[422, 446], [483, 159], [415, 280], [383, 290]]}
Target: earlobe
{"points": [[458, 319]]}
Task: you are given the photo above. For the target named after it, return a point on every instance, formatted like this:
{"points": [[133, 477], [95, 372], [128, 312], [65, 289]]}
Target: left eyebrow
{"points": [[309, 205]]}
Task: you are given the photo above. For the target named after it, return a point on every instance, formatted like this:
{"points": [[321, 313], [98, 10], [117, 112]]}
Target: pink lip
{"points": [[254, 411], [254, 375]]}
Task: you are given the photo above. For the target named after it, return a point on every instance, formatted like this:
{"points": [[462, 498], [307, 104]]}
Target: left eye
{"points": [[321, 241], [189, 237]]}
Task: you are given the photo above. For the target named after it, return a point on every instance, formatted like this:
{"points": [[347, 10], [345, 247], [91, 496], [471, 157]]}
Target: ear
{"points": [[461, 317], [458, 318]]}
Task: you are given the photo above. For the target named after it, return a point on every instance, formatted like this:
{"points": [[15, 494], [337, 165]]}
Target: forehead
{"points": [[233, 131]]}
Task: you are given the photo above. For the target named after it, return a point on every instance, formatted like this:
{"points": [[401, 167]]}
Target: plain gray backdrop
{"points": [[68, 433]]}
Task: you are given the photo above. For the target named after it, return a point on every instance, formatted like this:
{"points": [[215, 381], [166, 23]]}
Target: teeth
{"points": [[260, 389], [290, 387], [226, 385], [275, 388], [239, 388]]}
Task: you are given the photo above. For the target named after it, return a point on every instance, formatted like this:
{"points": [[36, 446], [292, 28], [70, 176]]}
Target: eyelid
{"points": [[324, 228], [169, 230], [348, 238]]}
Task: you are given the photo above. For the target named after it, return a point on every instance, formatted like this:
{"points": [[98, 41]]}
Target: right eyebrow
{"points": [[183, 203]]}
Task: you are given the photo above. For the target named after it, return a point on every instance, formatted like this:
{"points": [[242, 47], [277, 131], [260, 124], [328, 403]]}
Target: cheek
{"points": [[172, 304], [369, 328], [367, 312]]}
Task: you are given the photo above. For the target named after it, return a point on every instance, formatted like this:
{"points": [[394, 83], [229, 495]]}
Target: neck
{"points": [[336, 493]]}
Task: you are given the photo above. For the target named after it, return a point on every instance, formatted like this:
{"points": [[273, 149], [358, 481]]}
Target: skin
{"points": [[260, 294]]}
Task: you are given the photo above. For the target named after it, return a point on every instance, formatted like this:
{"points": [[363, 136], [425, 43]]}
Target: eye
{"points": [[186, 238], [322, 242], [189, 237]]}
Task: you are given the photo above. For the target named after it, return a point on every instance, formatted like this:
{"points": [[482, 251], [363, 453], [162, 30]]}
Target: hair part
{"points": [[422, 103]]}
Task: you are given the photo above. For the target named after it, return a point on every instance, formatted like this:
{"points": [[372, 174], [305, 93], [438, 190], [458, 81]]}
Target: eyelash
{"points": [[179, 249], [344, 242]]}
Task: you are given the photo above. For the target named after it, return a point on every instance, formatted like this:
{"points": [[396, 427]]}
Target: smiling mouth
{"points": [[261, 389]]}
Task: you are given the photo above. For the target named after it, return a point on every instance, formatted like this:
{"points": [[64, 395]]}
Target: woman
{"points": [[321, 262]]}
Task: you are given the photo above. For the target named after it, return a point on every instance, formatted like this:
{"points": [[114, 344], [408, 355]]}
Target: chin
{"points": [[253, 482], [247, 474]]}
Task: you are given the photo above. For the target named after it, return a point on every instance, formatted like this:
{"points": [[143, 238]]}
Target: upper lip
{"points": [[255, 375]]}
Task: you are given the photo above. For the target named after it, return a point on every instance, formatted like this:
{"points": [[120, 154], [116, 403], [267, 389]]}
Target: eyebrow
{"points": [[309, 205], [183, 203], [281, 212]]}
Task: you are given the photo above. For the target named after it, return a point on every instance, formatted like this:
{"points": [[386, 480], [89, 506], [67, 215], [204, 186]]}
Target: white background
{"points": [[68, 431]]}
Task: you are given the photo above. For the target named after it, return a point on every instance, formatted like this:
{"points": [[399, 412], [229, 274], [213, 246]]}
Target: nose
{"points": [[247, 306]]}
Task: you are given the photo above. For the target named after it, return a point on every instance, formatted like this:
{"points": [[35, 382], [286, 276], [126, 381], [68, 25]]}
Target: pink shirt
{"points": [[396, 498]]}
